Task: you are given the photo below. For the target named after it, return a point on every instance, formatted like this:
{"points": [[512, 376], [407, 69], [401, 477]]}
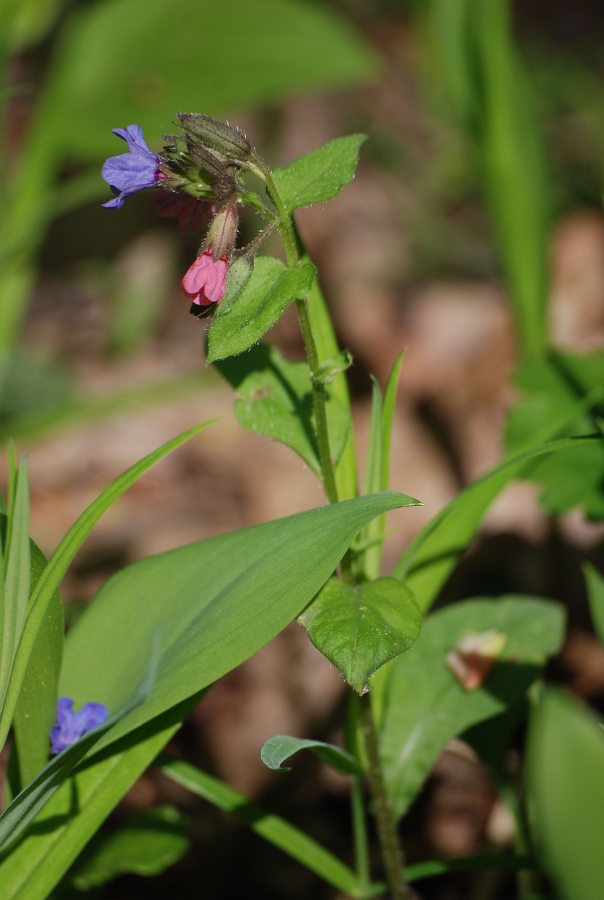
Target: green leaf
{"points": [[126, 60], [433, 554], [426, 706], [488, 87], [276, 401], [320, 174], [557, 397], [75, 811], [271, 827], [565, 777], [279, 748], [17, 573], [378, 462], [226, 597], [35, 712], [268, 292], [595, 594], [149, 842], [361, 628], [50, 579], [34, 797]]}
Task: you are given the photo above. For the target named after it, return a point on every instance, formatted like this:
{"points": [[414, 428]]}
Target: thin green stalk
{"points": [[386, 826], [354, 742], [359, 833], [318, 393]]}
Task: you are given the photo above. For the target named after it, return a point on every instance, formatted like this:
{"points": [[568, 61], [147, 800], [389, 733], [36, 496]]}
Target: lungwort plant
{"points": [[162, 630]]}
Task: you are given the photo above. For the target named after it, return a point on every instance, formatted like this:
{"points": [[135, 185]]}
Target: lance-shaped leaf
{"points": [[426, 705], [52, 575], [320, 174], [217, 602], [361, 628], [280, 747], [276, 400], [565, 776], [266, 294]]}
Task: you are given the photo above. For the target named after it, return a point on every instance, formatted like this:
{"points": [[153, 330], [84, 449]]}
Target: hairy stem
{"points": [[318, 393], [386, 826]]}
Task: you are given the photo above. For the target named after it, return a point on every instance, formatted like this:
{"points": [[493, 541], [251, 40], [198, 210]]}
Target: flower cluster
{"points": [[197, 177]]}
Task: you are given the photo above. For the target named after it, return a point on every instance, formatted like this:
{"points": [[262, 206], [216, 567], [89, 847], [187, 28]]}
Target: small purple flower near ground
{"points": [[72, 725], [133, 171]]}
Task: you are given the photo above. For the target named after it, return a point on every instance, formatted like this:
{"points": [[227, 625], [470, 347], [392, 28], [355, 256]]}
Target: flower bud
{"points": [[227, 142], [222, 232]]}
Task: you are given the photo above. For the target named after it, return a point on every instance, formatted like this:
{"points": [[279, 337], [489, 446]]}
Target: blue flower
{"points": [[132, 171], [72, 725]]}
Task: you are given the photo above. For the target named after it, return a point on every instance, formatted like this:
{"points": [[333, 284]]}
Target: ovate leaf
{"points": [[425, 704], [361, 628], [276, 400], [565, 775], [320, 174], [268, 292], [279, 748]]}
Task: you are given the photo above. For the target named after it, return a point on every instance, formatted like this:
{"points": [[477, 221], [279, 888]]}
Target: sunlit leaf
{"points": [[360, 628], [320, 174]]}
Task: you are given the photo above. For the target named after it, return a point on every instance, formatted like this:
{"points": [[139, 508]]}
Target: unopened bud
{"points": [[222, 232], [217, 136]]}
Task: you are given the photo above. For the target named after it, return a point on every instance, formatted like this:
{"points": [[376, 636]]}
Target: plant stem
{"points": [[318, 392], [386, 826]]}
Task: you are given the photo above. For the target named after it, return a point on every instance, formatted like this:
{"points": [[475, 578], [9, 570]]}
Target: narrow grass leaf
{"points": [[51, 577], [282, 746], [268, 826], [432, 556], [17, 574]]}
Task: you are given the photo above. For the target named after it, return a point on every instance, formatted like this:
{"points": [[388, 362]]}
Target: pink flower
{"points": [[205, 280]]}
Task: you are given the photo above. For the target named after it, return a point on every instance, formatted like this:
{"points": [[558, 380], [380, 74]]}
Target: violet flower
{"points": [[205, 280], [132, 171], [72, 725]]}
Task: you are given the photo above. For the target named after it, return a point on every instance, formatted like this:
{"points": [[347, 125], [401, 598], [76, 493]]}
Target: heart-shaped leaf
{"points": [[361, 628]]}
